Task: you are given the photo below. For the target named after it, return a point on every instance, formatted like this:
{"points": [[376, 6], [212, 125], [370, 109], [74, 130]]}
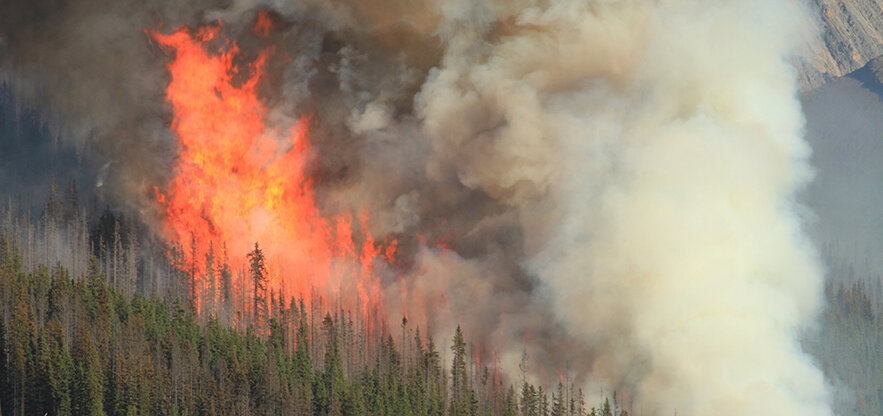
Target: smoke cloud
{"points": [[606, 184]]}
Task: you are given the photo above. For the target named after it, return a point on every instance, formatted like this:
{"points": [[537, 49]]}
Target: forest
{"points": [[849, 348], [82, 334]]}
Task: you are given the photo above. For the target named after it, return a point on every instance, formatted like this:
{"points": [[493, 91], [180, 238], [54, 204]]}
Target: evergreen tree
{"points": [[259, 278], [226, 279], [529, 402], [460, 400], [86, 386], [509, 406], [558, 401], [21, 349], [6, 380], [333, 386], [209, 290], [605, 409], [543, 402], [59, 369], [302, 390]]}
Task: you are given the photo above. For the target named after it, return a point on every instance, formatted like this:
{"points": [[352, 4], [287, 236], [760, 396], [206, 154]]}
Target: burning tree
{"points": [[241, 177]]}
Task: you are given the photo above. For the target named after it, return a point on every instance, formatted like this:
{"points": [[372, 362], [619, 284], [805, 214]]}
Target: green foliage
{"points": [[849, 349], [459, 377], [75, 345], [87, 384], [258, 272]]}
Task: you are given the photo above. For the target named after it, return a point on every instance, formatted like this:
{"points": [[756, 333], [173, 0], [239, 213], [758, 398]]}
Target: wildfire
{"points": [[240, 180]]}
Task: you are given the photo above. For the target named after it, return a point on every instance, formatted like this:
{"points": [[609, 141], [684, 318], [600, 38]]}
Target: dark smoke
{"points": [[602, 171]]}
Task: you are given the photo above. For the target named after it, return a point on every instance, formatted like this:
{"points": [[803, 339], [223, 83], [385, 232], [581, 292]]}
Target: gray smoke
{"points": [[615, 179]]}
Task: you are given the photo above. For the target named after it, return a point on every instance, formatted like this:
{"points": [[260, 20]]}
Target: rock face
{"points": [[851, 36]]}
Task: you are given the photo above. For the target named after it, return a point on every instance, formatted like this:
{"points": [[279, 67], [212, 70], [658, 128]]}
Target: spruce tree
{"points": [[258, 270], [86, 389], [460, 400]]}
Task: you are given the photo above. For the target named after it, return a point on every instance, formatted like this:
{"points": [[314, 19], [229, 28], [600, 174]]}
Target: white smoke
{"points": [[615, 178], [652, 151]]}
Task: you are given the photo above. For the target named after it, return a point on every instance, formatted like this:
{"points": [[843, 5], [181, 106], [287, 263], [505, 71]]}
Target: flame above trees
{"points": [[240, 179]]}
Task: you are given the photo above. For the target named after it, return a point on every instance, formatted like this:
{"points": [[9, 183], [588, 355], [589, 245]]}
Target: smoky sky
{"points": [[31, 156], [603, 176]]}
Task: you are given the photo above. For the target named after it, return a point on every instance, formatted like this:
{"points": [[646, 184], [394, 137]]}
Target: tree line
{"points": [[88, 328]]}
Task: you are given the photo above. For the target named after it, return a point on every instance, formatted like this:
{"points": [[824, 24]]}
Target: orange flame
{"points": [[240, 180], [263, 25]]}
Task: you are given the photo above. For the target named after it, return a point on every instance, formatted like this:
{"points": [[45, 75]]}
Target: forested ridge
{"points": [[90, 334], [90, 326]]}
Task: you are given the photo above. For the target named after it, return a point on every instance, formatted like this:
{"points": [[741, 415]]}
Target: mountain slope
{"points": [[851, 36]]}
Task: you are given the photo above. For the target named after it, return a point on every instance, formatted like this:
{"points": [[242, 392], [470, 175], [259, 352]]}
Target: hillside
{"points": [[852, 35], [78, 338]]}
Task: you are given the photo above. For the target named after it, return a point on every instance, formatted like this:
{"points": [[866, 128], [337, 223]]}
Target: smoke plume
{"points": [[606, 185]]}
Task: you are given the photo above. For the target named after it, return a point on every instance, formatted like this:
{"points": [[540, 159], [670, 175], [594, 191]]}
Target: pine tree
{"points": [[460, 400], [21, 349], [59, 370], [543, 402], [191, 276], [605, 409], [580, 403], [259, 277], [558, 402], [5, 371], [86, 389], [332, 384], [529, 402], [434, 377], [209, 283], [509, 406]]}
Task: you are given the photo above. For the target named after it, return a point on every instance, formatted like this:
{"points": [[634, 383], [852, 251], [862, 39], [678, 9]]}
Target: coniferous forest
{"points": [[81, 334], [447, 208], [849, 348]]}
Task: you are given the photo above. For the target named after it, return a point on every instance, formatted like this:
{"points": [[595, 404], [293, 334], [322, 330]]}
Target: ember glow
{"points": [[240, 180]]}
